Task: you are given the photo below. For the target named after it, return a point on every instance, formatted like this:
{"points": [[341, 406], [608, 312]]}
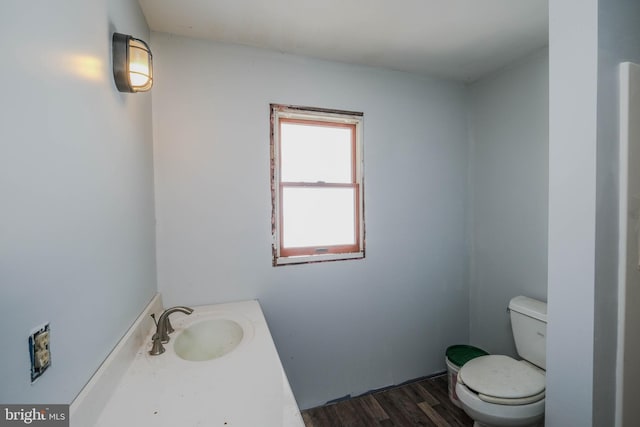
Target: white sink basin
{"points": [[208, 339]]}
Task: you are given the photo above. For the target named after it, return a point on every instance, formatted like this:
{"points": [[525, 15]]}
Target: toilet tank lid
{"points": [[529, 307]]}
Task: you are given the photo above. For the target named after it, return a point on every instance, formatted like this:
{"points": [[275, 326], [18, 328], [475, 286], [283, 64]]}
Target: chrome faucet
{"points": [[164, 328]]}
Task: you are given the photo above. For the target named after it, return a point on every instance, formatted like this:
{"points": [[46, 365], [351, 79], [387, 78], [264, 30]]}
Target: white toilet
{"points": [[498, 390]]}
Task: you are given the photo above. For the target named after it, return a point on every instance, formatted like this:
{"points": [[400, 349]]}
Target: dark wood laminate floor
{"points": [[420, 403]]}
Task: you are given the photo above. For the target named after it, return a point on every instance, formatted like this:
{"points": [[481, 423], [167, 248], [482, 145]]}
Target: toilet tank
{"points": [[529, 326]]}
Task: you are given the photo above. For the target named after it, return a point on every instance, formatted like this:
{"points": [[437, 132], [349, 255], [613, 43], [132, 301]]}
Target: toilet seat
{"points": [[512, 402], [503, 380]]}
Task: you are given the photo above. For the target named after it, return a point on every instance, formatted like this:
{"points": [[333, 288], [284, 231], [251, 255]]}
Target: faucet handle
{"points": [[168, 328], [167, 324], [157, 347]]}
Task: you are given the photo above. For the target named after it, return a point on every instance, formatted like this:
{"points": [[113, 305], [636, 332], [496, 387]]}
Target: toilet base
{"points": [[477, 424], [487, 414]]}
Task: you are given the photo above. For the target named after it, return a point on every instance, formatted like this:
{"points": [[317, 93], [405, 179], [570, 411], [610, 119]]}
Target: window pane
{"points": [[311, 153], [318, 216]]}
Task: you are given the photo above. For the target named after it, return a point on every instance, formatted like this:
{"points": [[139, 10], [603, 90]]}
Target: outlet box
{"points": [[39, 352]]}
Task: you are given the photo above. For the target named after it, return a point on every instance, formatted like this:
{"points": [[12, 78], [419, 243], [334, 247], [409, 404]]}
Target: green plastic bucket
{"points": [[456, 357]]}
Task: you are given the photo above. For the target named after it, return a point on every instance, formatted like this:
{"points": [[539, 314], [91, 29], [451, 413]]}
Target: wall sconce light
{"points": [[132, 64]]}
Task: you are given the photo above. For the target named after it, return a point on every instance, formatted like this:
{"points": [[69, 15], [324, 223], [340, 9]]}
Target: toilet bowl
{"points": [[500, 391]]}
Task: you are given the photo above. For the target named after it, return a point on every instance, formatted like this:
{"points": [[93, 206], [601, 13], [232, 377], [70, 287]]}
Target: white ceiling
{"points": [[457, 39]]}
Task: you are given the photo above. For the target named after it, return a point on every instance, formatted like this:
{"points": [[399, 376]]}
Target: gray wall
{"points": [[509, 146], [587, 41], [572, 189], [76, 184], [340, 327], [618, 41]]}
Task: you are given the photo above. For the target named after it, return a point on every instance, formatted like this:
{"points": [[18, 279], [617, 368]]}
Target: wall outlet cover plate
{"points": [[39, 352]]}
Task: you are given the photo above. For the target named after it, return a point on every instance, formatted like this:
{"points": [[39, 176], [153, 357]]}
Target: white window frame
{"points": [[279, 112]]}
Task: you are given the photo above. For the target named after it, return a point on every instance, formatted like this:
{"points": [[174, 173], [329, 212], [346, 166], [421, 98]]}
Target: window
{"points": [[316, 185]]}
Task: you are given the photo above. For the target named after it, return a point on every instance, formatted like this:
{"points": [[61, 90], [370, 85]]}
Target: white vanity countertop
{"points": [[244, 388]]}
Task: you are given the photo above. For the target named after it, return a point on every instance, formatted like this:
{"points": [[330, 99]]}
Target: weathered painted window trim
{"points": [[316, 116]]}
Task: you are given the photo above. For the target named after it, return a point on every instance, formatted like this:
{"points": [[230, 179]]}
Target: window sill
{"points": [[305, 259]]}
